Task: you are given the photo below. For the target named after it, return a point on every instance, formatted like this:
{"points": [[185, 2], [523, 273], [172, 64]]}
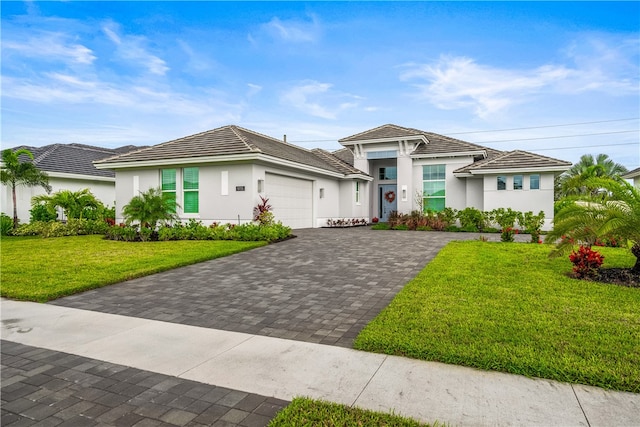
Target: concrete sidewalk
{"points": [[284, 369]]}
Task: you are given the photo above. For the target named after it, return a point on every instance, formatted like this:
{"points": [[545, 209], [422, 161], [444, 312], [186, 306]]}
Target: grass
{"points": [[37, 269], [508, 307], [308, 412]]}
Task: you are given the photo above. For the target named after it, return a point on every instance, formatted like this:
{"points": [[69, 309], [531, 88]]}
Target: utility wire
{"points": [[557, 137], [522, 128], [582, 146]]}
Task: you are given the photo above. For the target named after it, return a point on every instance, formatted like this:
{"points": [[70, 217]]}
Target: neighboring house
{"points": [[634, 175], [70, 167], [218, 175]]}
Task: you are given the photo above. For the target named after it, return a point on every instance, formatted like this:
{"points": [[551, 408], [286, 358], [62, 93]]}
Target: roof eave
{"points": [[387, 139], [360, 176], [175, 161], [519, 169], [80, 176], [451, 154]]}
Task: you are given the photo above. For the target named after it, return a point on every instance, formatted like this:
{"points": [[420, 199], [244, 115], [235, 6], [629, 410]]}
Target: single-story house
{"points": [[634, 175], [70, 167], [219, 176]]}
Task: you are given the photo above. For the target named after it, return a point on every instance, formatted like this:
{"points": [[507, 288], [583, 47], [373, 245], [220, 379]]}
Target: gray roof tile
{"points": [[515, 160], [225, 141], [337, 162], [384, 131], [632, 174], [70, 158]]}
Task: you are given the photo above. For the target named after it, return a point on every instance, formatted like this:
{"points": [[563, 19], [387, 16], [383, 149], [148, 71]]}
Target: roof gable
{"points": [[381, 132]]}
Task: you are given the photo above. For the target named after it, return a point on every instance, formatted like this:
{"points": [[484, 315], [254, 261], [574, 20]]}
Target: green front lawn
{"points": [[37, 269], [317, 413], [508, 307]]}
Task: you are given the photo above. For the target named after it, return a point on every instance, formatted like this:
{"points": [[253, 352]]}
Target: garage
{"points": [[291, 199]]}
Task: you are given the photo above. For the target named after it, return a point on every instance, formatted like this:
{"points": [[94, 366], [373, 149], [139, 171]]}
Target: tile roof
{"points": [[71, 158], [344, 154], [384, 131], [515, 160], [632, 174], [337, 162], [229, 140]]}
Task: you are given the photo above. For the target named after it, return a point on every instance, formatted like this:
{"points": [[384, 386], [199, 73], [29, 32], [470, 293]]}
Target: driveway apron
{"points": [[323, 286]]}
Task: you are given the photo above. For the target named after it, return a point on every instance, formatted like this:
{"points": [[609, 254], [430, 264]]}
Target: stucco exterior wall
{"points": [[455, 188], [521, 200], [475, 193], [103, 190]]}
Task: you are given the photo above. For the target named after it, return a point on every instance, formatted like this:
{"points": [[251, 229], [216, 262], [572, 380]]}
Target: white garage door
{"points": [[291, 199]]}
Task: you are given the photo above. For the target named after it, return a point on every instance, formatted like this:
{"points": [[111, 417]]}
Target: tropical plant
{"points": [[262, 212], [149, 208], [532, 224], [15, 173], [74, 204], [615, 212], [575, 180], [6, 224]]}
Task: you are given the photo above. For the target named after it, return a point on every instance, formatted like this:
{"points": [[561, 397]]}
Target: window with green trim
{"points": [[190, 186], [433, 187], [168, 184]]}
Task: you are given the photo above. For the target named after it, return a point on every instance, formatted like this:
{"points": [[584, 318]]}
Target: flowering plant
{"points": [[586, 262]]}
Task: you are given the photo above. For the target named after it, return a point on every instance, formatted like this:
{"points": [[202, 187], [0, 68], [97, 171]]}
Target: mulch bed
{"points": [[619, 276]]}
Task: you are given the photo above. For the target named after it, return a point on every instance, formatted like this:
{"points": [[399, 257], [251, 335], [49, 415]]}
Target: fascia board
{"points": [[358, 176], [519, 170], [80, 176], [389, 139], [218, 159], [453, 154], [177, 161]]}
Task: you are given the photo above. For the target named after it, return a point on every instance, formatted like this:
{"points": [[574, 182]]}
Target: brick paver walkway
{"points": [[322, 287], [47, 388]]}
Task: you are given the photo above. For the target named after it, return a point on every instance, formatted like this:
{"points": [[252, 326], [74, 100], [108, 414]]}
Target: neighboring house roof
{"points": [[632, 174], [72, 159], [232, 140], [515, 160]]}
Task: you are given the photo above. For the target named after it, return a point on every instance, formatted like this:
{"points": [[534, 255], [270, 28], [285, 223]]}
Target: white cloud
{"points": [[309, 97], [292, 30], [253, 89], [51, 46], [133, 49], [595, 64]]}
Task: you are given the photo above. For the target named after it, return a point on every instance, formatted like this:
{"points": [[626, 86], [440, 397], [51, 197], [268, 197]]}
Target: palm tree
{"points": [[573, 181], [73, 203], [615, 212], [149, 208], [15, 173]]}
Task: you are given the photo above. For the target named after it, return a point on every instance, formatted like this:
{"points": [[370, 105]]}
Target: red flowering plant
{"points": [[586, 262]]}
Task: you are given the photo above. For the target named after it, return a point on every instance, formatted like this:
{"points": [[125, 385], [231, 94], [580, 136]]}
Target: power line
{"points": [[544, 127], [582, 146], [557, 137], [522, 128]]}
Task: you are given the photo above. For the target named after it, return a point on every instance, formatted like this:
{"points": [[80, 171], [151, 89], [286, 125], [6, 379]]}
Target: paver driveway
{"points": [[324, 286]]}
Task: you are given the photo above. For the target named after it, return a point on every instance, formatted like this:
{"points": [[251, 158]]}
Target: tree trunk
{"points": [[635, 250], [15, 206]]}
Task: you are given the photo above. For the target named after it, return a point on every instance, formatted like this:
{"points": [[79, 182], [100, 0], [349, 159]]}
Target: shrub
{"points": [[262, 212], [73, 227], [123, 233], [401, 227], [586, 262], [424, 228], [6, 225], [507, 234], [471, 219], [532, 224], [42, 213]]}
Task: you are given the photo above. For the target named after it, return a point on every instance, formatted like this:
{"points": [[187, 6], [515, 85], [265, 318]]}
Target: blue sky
{"points": [[559, 79]]}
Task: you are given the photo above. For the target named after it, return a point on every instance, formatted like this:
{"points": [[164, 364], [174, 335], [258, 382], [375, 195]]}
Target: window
{"points": [[191, 184], [168, 186], [502, 182], [433, 187], [534, 182], [357, 193], [517, 182], [388, 173]]}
